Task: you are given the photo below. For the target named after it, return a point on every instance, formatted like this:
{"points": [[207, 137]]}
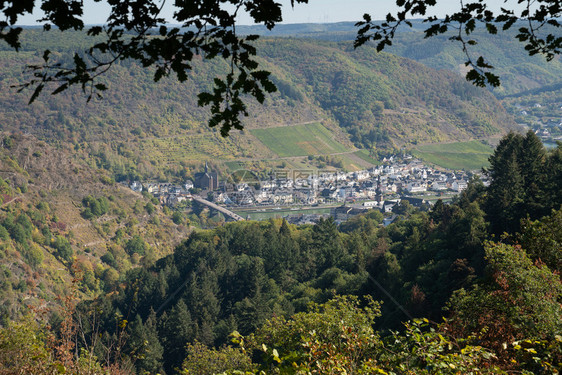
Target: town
{"points": [[342, 194]]}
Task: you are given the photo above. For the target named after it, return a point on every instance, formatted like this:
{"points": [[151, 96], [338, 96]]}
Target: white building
{"points": [[416, 187], [136, 186], [439, 186], [459, 185]]}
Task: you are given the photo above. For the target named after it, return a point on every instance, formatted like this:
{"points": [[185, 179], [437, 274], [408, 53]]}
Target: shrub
{"points": [[135, 245], [63, 248]]}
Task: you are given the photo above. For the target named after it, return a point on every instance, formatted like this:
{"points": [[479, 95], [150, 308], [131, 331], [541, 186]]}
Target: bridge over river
{"points": [[223, 210]]}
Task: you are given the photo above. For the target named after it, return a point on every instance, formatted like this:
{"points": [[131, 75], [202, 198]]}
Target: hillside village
{"points": [[380, 187]]}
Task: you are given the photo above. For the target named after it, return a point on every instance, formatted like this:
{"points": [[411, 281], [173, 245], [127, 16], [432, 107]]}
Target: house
{"points": [[361, 175], [172, 200], [391, 188], [151, 188], [459, 185], [389, 169], [263, 196], [136, 186], [268, 184], [375, 171], [219, 197], [344, 192], [344, 213], [416, 202], [329, 193], [358, 194], [371, 192], [327, 176], [388, 206], [416, 187], [438, 186], [285, 183], [283, 197], [371, 204]]}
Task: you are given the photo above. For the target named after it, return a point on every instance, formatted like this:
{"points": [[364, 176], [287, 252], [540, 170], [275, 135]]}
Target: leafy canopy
{"points": [[136, 30]]}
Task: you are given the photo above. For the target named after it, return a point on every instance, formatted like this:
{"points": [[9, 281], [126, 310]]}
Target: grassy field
{"points": [[364, 154], [299, 140], [233, 166], [351, 164], [470, 155]]}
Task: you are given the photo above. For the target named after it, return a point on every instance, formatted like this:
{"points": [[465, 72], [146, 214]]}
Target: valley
{"points": [[370, 196]]}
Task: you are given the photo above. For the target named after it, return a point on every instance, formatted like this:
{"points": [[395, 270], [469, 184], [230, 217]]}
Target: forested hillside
{"points": [[489, 262], [62, 218], [518, 71], [371, 99]]}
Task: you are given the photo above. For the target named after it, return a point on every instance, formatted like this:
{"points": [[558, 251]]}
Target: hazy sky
{"points": [[317, 11]]}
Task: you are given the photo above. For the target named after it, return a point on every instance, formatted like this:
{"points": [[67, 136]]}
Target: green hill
{"points": [[156, 129], [517, 70], [61, 218]]}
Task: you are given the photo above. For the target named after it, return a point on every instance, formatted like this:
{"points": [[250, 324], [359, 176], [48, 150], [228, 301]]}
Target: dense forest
{"points": [[273, 297]]}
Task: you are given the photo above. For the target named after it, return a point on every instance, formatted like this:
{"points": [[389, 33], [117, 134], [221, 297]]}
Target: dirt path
{"points": [[94, 243], [289, 125]]}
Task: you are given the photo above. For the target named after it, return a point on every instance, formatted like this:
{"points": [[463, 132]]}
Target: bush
{"points": [[149, 207], [109, 259], [63, 248], [4, 235], [94, 207], [33, 255], [136, 245], [177, 217]]}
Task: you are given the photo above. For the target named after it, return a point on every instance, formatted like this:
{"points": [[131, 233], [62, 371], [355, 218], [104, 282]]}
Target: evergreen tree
{"points": [[542, 240], [284, 230], [273, 253], [553, 183], [506, 194], [532, 164], [176, 331], [327, 244], [144, 345]]}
